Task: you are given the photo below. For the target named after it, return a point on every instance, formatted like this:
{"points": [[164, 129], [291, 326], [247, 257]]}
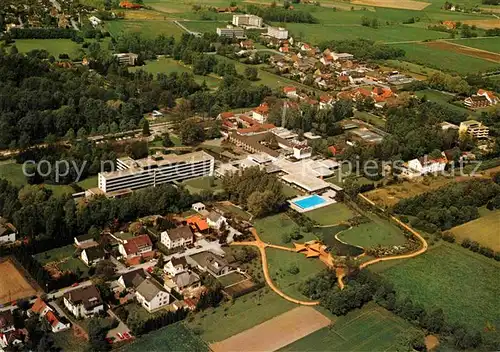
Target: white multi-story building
{"points": [[178, 237], [84, 302], [155, 170], [151, 295], [475, 128], [277, 32], [231, 32], [247, 20]]}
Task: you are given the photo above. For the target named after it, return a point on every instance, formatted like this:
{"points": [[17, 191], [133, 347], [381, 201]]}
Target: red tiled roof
{"points": [[135, 244], [227, 114], [38, 306], [289, 89], [262, 109], [200, 223]]}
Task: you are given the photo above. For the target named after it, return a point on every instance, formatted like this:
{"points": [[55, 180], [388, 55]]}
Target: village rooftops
{"points": [[94, 253], [149, 288], [180, 232], [134, 278], [137, 244], [88, 296]]}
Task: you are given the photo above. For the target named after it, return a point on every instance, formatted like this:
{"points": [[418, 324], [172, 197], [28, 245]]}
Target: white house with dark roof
{"points": [[132, 279], [92, 255], [178, 237], [84, 302], [175, 266], [151, 295], [208, 261], [215, 220]]}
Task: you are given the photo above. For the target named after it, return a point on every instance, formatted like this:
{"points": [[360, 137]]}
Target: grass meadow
{"points": [[331, 214], [461, 282], [483, 230], [488, 44], [272, 229]]}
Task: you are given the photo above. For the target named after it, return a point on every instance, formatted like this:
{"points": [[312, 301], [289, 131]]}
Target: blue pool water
{"points": [[309, 202]]}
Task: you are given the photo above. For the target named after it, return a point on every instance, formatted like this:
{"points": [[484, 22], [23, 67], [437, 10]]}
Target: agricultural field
{"points": [[445, 60], [274, 228], [238, 315], [390, 195], [277, 332], [452, 278], [13, 284], [370, 328], [331, 214], [175, 337], [281, 263], [460, 49], [484, 230], [488, 44]]}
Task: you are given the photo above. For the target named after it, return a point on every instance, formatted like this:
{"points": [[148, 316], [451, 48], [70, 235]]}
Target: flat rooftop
{"points": [[156, 161], [306, 182]]}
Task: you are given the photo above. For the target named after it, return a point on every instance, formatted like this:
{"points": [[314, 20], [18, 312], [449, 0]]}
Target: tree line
{"points": [[363, 49], [281, 14], [364, 286]]}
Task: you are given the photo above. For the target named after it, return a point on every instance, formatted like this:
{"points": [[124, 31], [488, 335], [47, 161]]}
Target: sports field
{"points": [[444, 60], [370, 328], [484, 230], [239, 315], [13, 283], [176, 337], [275, 333], [331, 214], [53, 46], [461, 282]]}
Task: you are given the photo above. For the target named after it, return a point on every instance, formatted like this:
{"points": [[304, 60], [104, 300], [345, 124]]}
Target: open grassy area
{"points": [[148, 28], [272, 229], [204, 26], [13, 173], [445, 60], [461, 282], [208, 183], [331, 214], [167, 65], [444, 100], [234, 211], [483, 230], [370, 328], [488, 44], [175, 337], [370, 118], [239, 315], [280, 262], [89, 182], [53, 46], [374, 233], [74, 265], [231, 279], [56, 254]]}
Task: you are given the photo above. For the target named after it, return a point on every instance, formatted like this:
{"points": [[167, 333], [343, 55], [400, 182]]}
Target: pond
{"points": [[337, 248]]}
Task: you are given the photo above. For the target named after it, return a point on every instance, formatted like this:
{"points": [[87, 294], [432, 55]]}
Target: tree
{"points": [[166, 141], [97, 335], [191, 133], [145, 128], [106, 269], [251, 73], [137, 150]]}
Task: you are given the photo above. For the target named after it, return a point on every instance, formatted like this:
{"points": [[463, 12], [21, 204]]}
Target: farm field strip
{"points": [[394, 4], [461, 49], [484, 230], [276, 332]]}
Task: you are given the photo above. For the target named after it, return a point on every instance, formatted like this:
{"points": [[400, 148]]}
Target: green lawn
{"points": [[375, 120], [445, 60], [239, 315], [204, 26], [53, 46], [74, 264], [167, 65], [148, 28], [373, 234], [337, 248], [483, 230], [231, 279], [13, 173], [208, 183], [331, 214], [370, 328], [443, 99], [60, 190], [464, 284], [55, 254], [280, 261], [272, 229], [488, 44], [234, 211], [89, 182], [176, 337], [289, 191]]}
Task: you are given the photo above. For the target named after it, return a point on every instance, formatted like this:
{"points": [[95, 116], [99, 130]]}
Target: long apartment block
{"points": [[155, 170]]}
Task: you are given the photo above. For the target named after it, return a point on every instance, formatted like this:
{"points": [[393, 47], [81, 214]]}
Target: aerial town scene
{"points": [[243, 175]]}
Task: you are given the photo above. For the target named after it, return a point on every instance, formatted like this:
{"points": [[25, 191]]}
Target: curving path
{"points": [[262, 249], [421, 250]]}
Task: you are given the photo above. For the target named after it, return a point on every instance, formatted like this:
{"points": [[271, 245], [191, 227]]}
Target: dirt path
{"points": [[262, 248]]}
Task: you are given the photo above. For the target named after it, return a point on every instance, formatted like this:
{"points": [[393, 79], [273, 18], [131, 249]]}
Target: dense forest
{"points": [[363, 49], [281, 14]]}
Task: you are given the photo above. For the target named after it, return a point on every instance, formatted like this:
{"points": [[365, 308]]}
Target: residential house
{"points": [[132, 279], [247, 44], [425, 165], [136, 247], [84, 241], [84, 302], [7, 232], [490, 96], [94, 21], [6, 322], [127, 59], [215, 220], [325, 102], [474, 128], [175, 266], [261, 112], [9, 336], [92, 255], [178, 237], [45, 312], [187, 280], [200, 206], [290, 92], [277, 32], [151, 295], [342, 56], [197, 223], [210, 262]]}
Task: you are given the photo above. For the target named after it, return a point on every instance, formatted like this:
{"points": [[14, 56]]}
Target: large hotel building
{"points": [[155, 170]]}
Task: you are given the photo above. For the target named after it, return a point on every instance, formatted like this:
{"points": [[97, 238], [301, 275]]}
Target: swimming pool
{"points": [[309, 202]]}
